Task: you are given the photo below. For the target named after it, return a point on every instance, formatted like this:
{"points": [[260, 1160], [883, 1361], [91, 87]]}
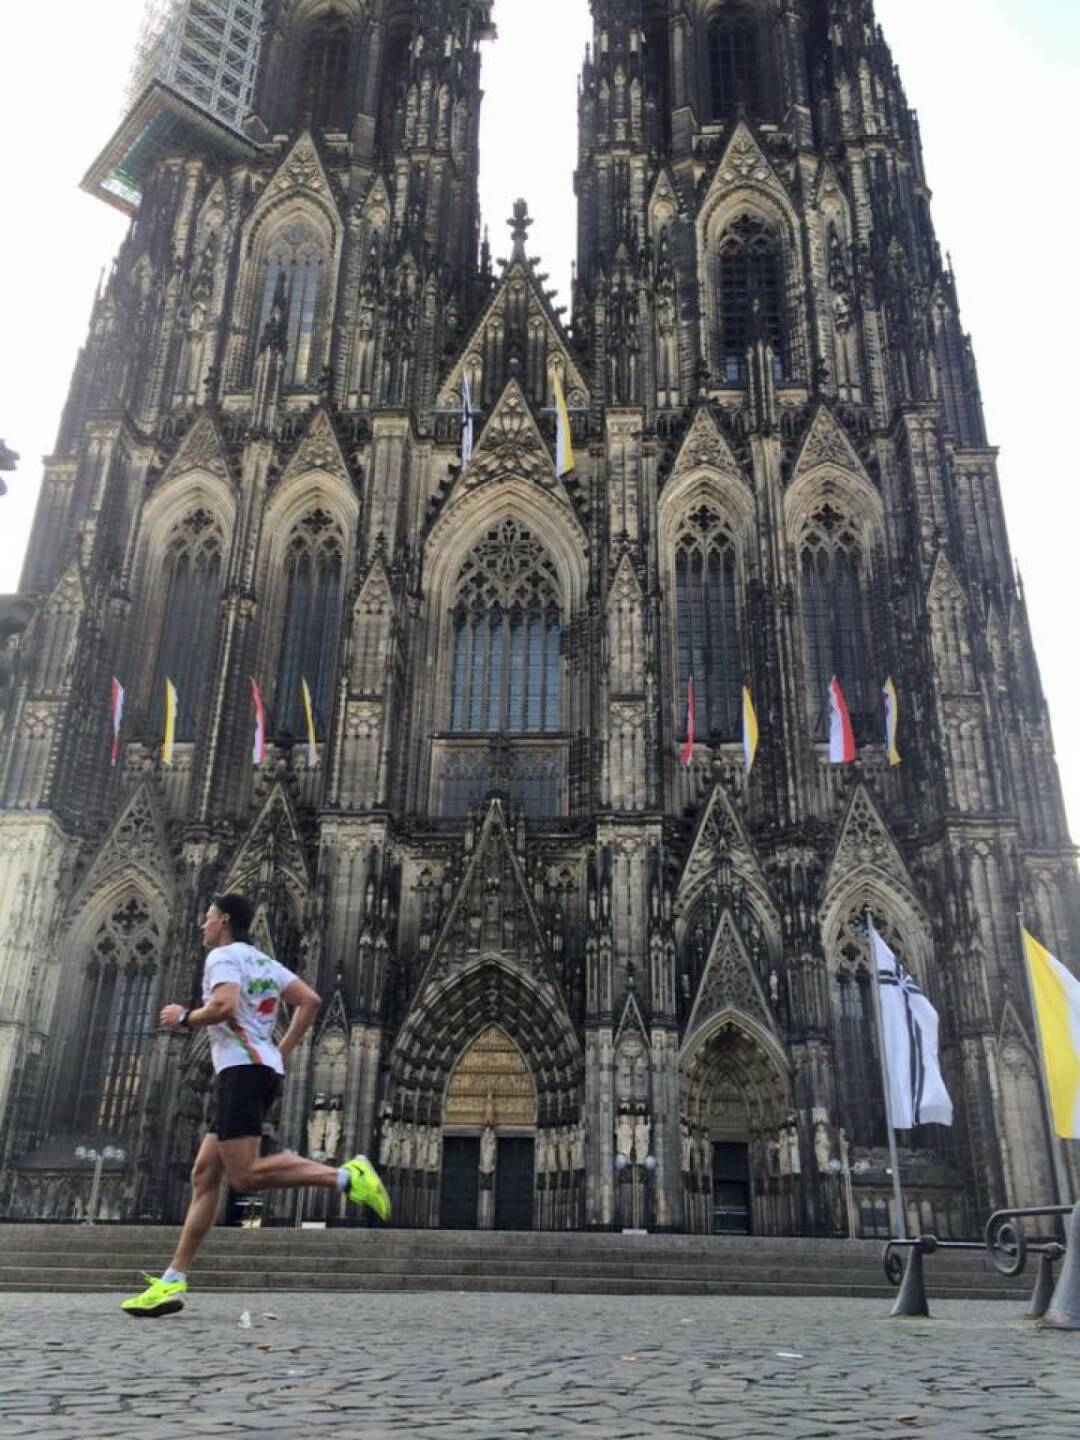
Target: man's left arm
{"points": [[307, 1004]]}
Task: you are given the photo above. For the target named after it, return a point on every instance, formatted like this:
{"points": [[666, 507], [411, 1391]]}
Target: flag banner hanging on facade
{"points": [[116, 697], [1057, 1007], [892, 721], [258, 751], [309, 718], [687, 753], [169, 741], [564, 446], [466, 422], [841, 735], [909, 1026], [749, 730]]}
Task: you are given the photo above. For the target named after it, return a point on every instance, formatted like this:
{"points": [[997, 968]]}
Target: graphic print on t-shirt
{"points": [[249, 1038]]}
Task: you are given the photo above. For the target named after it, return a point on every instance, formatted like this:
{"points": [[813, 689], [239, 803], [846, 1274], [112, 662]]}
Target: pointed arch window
{"points": [[834, 621], [186, 646], [750, 295], [858, 1066], [117, 1014], [507, 638], [324, 74], [734, 72], [309, 639], [707, 623], [291, 287]]}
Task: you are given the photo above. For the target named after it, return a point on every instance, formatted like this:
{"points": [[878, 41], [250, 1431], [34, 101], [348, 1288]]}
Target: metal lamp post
{"points": [[89, 1152], [623, 1162]]}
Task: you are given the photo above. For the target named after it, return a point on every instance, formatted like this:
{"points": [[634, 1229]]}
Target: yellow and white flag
{"points": [[749, 730], [892, 720], [312, 749], [169, 741], [564, 444], [1057, 1008]]}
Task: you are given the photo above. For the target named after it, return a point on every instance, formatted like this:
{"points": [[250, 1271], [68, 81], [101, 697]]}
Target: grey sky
{"points": [[993, 81]]}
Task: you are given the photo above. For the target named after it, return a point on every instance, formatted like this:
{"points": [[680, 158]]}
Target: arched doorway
{"points": [[741, 1162], [489, 1138], [486, 1027]]}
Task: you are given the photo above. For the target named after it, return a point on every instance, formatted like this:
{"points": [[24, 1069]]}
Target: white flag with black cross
{"points": [[909, 1034]]}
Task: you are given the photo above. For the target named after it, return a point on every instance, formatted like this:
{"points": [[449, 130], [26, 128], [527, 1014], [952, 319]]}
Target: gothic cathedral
{"points": [[570, 981]]}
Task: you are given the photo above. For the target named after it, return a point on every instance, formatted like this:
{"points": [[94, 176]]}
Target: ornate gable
{"points": [[519, 278], [728, 982], [630, 1023], [511, 445], [272, 848], [302, 169], [1012, 1029], [865, 842], [625, 588], [492, 913], [704, 447], [320, 449], [827, 443], [201, 449], [720, 834], [944, 584], [135, 846], [376, 593], [68, 595], [743, 163]]}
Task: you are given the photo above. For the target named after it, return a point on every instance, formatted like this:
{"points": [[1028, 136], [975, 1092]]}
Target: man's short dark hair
{"points": [[239, 911]]}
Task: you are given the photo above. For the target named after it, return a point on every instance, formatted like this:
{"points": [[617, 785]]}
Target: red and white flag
{"points": [[258, 753], [686, 755], [841, 735], [116, 691]]}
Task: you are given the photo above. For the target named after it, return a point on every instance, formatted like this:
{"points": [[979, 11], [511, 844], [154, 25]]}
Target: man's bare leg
{"points": [[206, 1177], [249, 1172]]}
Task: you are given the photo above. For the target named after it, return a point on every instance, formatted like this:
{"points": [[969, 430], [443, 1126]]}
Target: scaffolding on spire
{"points": [[193, 81]]}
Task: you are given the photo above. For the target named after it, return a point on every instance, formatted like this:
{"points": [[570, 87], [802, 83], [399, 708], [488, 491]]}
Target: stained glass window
{"points": [[295, 263], [733, 65], [707, 624], [188, 636], [309, 639], [750, 294], [507, 627], [834, 622], [324, 76]]}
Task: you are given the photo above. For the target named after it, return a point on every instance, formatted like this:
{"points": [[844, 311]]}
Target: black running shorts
{"points": [[244, 1097]]}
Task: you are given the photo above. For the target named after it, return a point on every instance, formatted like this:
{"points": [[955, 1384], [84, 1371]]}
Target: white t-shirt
{"points": [[249, 1039]]}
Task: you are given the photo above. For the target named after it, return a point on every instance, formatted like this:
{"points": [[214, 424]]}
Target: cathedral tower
{"points": [[570, 981]]}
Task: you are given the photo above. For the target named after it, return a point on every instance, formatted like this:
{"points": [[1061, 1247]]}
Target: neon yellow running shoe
{"points": [[366, 1187], [161, 1297]]}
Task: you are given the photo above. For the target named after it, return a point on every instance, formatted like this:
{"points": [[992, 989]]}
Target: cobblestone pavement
{"points": [[494, 1367]]}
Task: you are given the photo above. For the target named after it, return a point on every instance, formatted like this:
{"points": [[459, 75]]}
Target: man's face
{"points": [[214, 928]]}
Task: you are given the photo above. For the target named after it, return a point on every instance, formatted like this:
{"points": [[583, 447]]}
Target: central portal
{"points": [[488, 1178]]}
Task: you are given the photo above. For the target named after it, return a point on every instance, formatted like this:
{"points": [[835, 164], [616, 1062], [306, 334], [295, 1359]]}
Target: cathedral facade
{"points": [[570, 981]]}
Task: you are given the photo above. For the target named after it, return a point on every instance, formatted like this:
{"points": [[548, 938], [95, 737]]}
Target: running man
{"points": [[240, 993]]}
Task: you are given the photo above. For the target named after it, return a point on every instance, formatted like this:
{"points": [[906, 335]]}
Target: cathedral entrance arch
{"points": [[481, 1123], [740, 1152], [489, 1138]]}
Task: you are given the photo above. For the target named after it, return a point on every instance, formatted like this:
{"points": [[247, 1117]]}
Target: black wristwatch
{"points": [[183, 1021]]}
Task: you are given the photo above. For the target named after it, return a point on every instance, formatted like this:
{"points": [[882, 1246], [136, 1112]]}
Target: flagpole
{"points": [[894, 1157], [1057, 1151]]}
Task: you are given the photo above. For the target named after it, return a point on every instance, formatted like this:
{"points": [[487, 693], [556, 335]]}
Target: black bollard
{"points": [[1064, 1312], [912, 1298], [1044, 1282]]}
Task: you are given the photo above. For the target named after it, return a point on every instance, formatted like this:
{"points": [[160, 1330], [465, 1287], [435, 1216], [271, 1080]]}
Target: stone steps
{"points": [[103, 1257]]}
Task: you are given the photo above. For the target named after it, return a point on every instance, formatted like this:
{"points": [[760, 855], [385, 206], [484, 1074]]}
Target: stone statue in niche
{"points": [[488, 1151], [642, 1138]]}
